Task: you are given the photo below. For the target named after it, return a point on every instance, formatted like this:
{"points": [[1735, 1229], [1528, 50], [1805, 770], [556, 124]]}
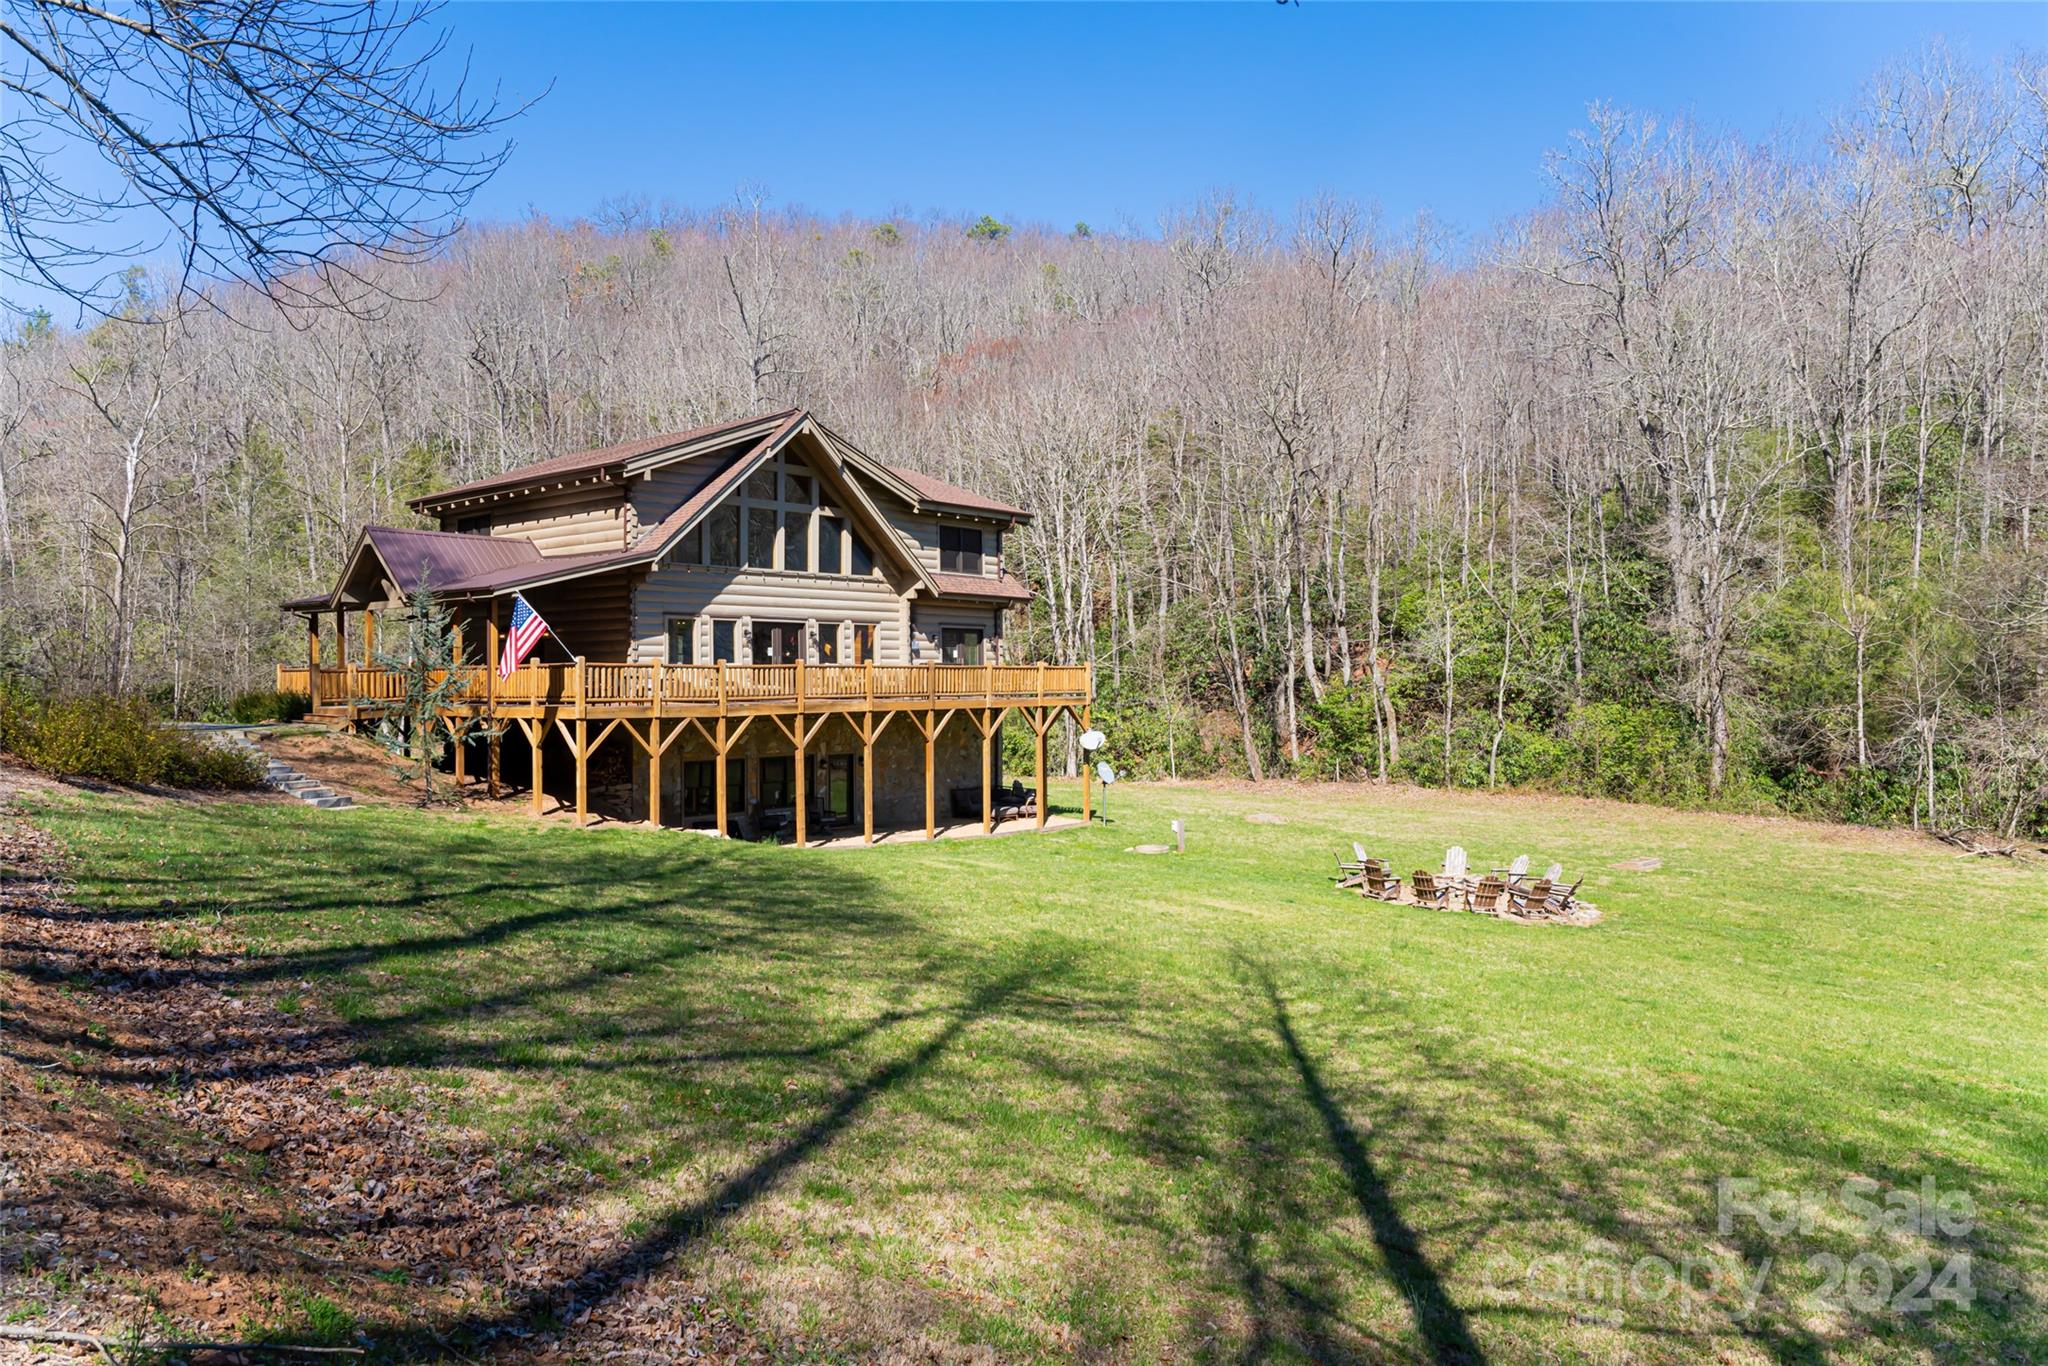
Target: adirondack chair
{"points": [[1486, 896], [1515, 871], [1352, 873], [1379, 885], [1430, 892], [1530, 898], [1561, 898], [1555, 872], [1454, 861]]}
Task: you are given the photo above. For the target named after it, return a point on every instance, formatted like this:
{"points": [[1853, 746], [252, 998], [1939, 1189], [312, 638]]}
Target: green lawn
{"points": [[1046, 1095]]}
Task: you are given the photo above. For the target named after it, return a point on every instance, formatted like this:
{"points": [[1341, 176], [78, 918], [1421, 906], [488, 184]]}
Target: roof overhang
{"points": [[482, 493], [902, 489]]}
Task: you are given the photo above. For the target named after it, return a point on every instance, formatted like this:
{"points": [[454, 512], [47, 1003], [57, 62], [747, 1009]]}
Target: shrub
{"points": [[268, 704], [116, 740]]}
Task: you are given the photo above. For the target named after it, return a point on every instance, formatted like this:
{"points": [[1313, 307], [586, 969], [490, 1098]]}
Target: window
{"points": [[796, 488], [829, 531], [760, 485], [778, 780], [960, 645], [863, 558], [475, 526], [692, 551], [721, 642], [796, 540], [760, 538], [725, 536], [700, 787], [778, 642], [682, 640], [828, 643], [959, 550], [863, 643]]}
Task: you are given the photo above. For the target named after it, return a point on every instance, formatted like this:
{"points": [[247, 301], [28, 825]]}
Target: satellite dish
{"points": [[1105, 772], [1091, 740]]}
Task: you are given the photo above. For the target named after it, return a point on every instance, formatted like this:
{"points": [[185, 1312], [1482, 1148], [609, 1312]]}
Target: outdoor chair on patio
{"points": [[1530, 898], [1015, 802], [1430, 892], [1555, 873], [1486, 896], [1454, 861], [1561, 898]]}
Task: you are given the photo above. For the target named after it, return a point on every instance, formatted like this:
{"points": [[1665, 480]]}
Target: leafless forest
{"points": [[1720, 478]]}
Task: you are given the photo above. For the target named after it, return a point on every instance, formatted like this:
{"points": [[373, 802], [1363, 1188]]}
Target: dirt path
{"points": [[189, 1144]]}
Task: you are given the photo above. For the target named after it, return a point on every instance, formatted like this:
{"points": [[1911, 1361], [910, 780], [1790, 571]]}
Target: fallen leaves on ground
{"points": [[190, 1144]]}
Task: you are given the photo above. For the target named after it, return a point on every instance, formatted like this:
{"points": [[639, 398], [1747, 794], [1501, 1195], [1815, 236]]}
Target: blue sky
{"points": [[1052, 113], [1110, 113]]}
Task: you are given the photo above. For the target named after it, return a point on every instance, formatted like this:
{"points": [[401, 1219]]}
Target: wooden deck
{"points": [[720, 702]]}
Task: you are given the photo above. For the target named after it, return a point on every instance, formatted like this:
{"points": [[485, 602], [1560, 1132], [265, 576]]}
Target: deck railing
{"points": [[592, 685]]}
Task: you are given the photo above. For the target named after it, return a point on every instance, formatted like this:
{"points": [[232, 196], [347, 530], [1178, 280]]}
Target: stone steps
{"points": [[284, 777]]}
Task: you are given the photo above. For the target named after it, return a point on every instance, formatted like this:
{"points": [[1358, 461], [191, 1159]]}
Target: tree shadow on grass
{"points": [[488, 958], [1450, 1181]]}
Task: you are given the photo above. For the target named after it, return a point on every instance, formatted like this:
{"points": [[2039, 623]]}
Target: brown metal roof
{"points": [[583, 462], [952, 495], [447, 558], [651, 543], [1004, 586]]}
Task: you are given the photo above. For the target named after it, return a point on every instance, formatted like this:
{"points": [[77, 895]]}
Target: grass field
{"points": [[1045, 1095]]}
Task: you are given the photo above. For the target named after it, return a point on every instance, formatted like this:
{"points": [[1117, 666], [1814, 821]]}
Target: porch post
{"points": [[582, 762], [802, 778], [313, 658], [369, 634], [1042, 725], [537, 739], [654, 768], [987, 774], [867, 771], [719, 757], [931, 831], [1087, 772], [491, 689]]}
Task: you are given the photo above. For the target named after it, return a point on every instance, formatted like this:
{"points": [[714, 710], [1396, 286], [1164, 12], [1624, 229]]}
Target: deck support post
{"points": [[496, 732], [1087, 774], [988, 808], [461, 744], [867, 767], [536, 741], [582, 767], [494, 744], [313, 659], [1041, 723], [718, 758], [654, 770], [802, 777], [930, 794]]}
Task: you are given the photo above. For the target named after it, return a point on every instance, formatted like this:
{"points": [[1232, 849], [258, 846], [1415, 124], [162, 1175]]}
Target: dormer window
{"points": [[960, 550]]}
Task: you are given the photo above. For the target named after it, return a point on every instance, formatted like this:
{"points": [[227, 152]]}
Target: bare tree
{"points": [[272, 142]]}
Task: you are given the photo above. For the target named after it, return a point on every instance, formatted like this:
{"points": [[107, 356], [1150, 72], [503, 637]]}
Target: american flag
{"points": [[527, 629]]}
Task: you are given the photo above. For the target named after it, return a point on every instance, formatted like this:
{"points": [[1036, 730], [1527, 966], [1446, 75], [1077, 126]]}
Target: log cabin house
{"points": [[756, 628]]}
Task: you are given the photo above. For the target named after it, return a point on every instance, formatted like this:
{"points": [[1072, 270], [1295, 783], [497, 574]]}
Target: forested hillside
{"points": [[1718, 479]]}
